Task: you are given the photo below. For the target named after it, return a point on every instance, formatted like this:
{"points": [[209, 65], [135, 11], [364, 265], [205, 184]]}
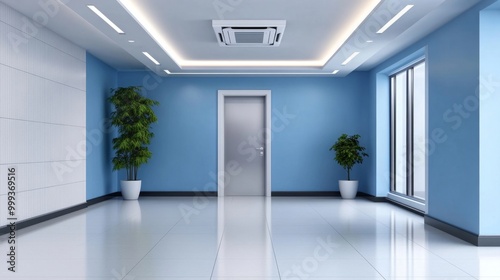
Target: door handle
{"points": [[260, 149]]}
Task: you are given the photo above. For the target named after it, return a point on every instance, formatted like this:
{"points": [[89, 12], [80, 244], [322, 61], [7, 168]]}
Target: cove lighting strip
{"points": [[133, 7], [250, 73]]}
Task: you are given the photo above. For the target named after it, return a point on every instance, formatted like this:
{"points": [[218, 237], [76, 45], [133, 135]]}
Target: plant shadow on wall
{"points": [[133, 116], [348, 152]]}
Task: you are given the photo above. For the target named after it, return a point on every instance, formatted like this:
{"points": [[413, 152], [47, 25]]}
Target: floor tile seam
{"points": [[378, 222], [440, 257], [390, 205], [374, 218], [343, 237], [397, 233], [217, 254], [456, 266], [425, 248], [149, 251], [324, 219], [272, 245]]}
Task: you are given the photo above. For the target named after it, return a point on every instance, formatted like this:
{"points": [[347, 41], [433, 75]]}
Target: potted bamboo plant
{"points": [[133, 116], [348, 152]]}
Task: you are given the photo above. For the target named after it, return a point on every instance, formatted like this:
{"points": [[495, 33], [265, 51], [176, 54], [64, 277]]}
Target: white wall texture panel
{"points": [[25, 141], [42, 116], [32, 30], [35, 101], [43, 201], [46, 174], [40, 59]]}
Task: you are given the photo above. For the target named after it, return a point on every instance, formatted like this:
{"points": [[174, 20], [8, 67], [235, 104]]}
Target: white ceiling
{"points": [[319, 34]]}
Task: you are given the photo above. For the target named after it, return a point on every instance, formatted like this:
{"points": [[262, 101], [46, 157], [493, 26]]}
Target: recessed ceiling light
{"points": [[351, 57], [369, 41], [395, 18], [335, 72], [105, 18], [131, 41], [166, 71], [151, 58]]}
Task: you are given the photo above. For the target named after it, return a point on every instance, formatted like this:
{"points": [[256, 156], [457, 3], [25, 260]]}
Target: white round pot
{"points": [[348, 189], [130, 189]]}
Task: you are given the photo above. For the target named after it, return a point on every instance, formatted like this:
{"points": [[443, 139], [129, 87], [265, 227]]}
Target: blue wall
{"points": [[379, 109], [308, 116], [453, 120], [453, 166], [462, 180], [489, 100], [100, 178]]}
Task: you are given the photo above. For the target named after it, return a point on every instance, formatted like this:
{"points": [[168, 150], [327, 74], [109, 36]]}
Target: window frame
{"points": [[408, 198]]}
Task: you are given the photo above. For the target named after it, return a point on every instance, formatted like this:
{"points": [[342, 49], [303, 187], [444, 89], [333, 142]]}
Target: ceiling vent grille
{"points": [[249, 33]]}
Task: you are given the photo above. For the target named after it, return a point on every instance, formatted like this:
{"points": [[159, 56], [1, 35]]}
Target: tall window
{"points": [[408, 132]]}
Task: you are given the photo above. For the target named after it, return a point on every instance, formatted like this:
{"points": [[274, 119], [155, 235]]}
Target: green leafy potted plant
{"points": [[133, 116], [348, 152]]}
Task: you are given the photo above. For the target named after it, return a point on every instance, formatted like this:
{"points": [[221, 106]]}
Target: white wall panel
{"points": [[43, 201], [12, 55], [45, 174], [25, 24], [13, 92], [41, 100], [40, 59], [26, 141], [62, 68], [42, 117]]}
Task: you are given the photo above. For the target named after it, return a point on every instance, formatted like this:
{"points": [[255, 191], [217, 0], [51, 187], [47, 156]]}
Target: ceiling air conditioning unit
{"points": [[249, 33]]}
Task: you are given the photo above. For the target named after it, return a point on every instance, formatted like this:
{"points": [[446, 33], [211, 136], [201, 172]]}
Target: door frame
{"points": [[220, 135]]}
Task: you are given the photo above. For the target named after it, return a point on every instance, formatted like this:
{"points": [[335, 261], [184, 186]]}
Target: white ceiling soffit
{"points": [[320, 34], [56, 16]]}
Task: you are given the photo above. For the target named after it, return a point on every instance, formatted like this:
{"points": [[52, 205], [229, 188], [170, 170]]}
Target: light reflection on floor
{"points": [[244, 238]]}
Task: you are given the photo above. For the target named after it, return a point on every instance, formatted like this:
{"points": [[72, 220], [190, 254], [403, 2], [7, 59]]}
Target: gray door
{"points": [[244, 138]]}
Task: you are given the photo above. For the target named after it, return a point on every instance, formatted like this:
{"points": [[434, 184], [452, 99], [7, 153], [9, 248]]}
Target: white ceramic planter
{"points": [[130, 189], [348, 189]]}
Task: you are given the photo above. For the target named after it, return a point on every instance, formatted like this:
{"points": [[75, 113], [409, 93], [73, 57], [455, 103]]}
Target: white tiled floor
{"points": [[244, 238]]}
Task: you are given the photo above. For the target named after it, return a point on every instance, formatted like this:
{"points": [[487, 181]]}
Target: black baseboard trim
{"points": [[278, 193], [43, 218], [178, 193], [102, 198], [59, 213], [372, 198], [327, 194], [478, 240]]}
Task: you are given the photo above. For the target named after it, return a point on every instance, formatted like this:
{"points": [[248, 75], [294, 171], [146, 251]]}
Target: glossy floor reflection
{"points": [[244, 238]]}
